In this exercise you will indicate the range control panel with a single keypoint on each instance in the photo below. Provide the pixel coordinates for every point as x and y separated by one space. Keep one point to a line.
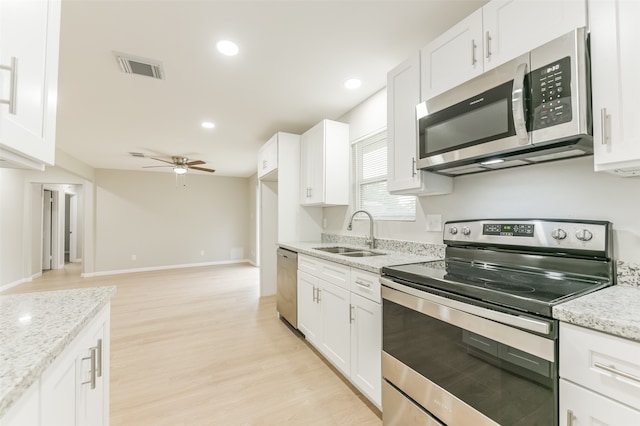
590 236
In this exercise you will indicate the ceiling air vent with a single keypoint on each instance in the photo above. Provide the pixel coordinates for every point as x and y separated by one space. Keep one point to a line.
136 154
140 66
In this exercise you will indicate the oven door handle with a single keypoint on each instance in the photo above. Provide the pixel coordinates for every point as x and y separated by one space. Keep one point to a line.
514 320
517 105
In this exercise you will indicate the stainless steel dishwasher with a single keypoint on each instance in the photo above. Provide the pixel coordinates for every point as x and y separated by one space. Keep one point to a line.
287 295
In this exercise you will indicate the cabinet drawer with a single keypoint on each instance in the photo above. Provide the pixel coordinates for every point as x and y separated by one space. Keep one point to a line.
310 265
366 284
335 273
606 364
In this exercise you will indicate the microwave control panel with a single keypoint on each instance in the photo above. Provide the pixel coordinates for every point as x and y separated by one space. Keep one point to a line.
550 94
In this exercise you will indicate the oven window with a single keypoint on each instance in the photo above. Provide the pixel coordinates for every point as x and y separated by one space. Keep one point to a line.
505 384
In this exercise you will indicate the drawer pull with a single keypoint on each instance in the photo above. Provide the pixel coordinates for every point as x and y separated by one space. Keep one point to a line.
363 284
615 371
570 418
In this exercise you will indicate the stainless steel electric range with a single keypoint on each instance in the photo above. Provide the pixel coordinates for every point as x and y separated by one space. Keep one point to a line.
470 340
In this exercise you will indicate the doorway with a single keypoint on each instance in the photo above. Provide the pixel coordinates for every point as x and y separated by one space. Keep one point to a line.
48 210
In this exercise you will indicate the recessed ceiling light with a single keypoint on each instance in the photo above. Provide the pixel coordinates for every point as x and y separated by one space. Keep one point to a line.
352 83
227 47
207 125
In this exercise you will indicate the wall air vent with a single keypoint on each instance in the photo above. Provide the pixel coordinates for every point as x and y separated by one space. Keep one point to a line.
136 154
140 66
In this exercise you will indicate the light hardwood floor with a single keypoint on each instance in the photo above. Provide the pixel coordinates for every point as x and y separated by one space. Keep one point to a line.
198 346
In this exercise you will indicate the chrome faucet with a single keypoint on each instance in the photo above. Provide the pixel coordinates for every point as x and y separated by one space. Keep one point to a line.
371 241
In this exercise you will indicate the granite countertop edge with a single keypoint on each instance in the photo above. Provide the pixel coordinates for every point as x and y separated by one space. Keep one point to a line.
371 264
11 392
613 310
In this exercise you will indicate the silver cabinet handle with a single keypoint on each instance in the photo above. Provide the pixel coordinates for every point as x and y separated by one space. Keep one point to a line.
517 104
264 164
570 418
318 295
488 44
611 369
314 295
606 130
92 357
473 52
99 350
351 316
413 166
12 85
363 284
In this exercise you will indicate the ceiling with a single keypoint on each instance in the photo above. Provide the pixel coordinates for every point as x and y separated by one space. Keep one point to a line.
294 58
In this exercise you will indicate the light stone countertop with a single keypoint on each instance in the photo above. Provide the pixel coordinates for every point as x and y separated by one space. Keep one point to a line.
35 328
372 264
613 310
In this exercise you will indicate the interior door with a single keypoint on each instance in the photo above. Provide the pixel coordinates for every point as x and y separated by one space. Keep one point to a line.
47 229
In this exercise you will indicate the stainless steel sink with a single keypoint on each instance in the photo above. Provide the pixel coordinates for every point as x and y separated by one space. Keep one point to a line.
338 250
362 254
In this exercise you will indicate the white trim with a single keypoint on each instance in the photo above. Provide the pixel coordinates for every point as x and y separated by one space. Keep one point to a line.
370 134
160 268
20 281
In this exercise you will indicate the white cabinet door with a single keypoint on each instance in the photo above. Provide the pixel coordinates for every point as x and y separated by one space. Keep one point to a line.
325 145
453 57
403 94
26 411
513 27
366 347
615 85
268 157
60 388
581 407
94 399
30 33
335 325
309 319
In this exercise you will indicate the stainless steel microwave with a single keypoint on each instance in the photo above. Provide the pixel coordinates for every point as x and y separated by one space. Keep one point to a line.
533 109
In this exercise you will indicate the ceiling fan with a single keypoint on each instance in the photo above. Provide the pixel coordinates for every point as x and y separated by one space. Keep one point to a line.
181 165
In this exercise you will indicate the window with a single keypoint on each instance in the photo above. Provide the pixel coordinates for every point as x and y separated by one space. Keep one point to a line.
370 177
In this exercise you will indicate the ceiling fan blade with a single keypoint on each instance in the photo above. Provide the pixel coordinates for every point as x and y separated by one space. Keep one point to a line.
151 167
203 169
195 162
164 161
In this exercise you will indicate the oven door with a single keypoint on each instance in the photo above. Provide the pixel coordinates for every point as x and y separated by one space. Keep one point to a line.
483 116
452 363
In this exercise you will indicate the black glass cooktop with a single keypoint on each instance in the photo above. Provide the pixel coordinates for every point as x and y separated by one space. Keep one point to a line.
531 290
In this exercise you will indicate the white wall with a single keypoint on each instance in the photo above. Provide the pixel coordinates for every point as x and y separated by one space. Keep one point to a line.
164 224
562 189
12 246
252 189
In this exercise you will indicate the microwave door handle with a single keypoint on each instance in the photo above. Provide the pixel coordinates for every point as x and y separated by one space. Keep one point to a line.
517 104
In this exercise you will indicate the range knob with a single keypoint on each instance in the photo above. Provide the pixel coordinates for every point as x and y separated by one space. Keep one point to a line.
453 230
559 234
465 230
584 235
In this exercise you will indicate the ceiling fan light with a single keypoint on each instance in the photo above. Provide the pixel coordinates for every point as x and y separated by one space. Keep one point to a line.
180 170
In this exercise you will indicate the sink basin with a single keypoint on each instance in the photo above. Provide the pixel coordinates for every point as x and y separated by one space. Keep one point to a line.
362 254
338 250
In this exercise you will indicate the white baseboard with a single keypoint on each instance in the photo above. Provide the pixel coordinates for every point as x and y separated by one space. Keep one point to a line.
160 268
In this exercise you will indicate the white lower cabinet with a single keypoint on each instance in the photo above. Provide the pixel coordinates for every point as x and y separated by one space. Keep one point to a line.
599 378
74 389
345 326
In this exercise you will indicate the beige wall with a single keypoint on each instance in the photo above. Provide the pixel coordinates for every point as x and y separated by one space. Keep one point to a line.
562 189
12 199
167 224
252 188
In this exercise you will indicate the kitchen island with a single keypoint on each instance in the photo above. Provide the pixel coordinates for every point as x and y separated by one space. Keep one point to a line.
47 331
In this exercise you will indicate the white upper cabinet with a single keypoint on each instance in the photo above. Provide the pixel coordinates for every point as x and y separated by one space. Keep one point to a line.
615 67
513 27
493 35
324 165
30 34
268 159
453 57
403 94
